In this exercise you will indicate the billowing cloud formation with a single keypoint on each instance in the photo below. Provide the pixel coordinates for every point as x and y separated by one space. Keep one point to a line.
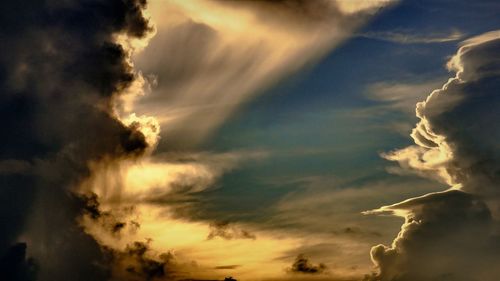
61 76
456 135
453 235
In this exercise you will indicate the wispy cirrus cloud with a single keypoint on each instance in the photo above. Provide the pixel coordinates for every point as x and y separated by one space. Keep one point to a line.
400 95
413 37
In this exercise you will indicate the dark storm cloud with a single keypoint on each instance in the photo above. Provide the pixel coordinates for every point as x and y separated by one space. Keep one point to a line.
453 235
60 74
110 222
14 265
134 264
137 261
303 265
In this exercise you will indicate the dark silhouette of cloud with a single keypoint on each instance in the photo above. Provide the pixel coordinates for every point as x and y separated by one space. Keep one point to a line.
134 264
61 74
303 265
15 266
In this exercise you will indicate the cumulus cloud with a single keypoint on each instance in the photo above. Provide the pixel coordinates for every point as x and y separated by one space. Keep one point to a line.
456 135
452 235
449 235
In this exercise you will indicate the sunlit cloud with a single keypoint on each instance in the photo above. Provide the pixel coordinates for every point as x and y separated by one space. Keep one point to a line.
210 57
195 254
115 164
206 59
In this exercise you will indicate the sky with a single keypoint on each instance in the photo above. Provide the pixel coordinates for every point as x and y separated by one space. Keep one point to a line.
271 140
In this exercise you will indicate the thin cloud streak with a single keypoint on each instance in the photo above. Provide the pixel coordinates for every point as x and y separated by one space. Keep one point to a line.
411 37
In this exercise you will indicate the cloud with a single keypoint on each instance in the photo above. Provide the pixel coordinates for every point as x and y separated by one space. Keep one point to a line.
135 260
401 96
446 236
195 255
233 266
411 37
13 166
210 57
134 264
73 123
303 265
62 74
452 235
227 231
15 266
356 231
161 179
391 98
327 214
455 136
